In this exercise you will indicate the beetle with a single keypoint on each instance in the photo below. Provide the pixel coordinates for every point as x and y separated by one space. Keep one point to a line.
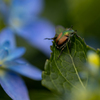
62 38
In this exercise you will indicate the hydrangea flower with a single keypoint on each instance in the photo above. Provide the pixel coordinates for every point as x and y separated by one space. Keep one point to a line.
92 92
93 58
11 65
23 18
93 61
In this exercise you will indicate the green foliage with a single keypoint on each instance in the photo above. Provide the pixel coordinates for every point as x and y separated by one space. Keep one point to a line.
84 16
42 95
67 72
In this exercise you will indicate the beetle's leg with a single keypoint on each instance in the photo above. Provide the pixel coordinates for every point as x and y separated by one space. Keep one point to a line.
62 50
76 33
70 46
51 38
60 53
48 38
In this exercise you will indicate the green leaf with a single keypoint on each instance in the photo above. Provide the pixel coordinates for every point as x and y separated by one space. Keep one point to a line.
61 75
42 95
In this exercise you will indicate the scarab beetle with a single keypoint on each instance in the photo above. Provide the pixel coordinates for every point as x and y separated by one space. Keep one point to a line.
62 37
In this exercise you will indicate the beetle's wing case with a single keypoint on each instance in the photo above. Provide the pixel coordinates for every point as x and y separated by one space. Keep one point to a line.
58 37
63 40
59 29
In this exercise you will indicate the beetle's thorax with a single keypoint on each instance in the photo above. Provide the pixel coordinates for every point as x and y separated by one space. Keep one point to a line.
65 33
62 36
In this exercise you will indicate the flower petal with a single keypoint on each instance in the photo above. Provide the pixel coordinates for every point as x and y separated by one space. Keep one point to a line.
23 11
5 45
3 9
36 32
25 69
3 53
27 7
4 50
16 54
13 86
8 35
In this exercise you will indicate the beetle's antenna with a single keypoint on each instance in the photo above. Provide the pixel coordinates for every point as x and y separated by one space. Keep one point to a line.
76 31
71 26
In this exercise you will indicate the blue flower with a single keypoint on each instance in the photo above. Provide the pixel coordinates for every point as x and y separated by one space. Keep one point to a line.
11 64
24 19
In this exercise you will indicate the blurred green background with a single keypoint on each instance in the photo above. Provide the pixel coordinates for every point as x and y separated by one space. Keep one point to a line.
84 15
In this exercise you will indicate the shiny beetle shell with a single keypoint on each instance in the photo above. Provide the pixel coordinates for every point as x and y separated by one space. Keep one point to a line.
62 37
61 40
